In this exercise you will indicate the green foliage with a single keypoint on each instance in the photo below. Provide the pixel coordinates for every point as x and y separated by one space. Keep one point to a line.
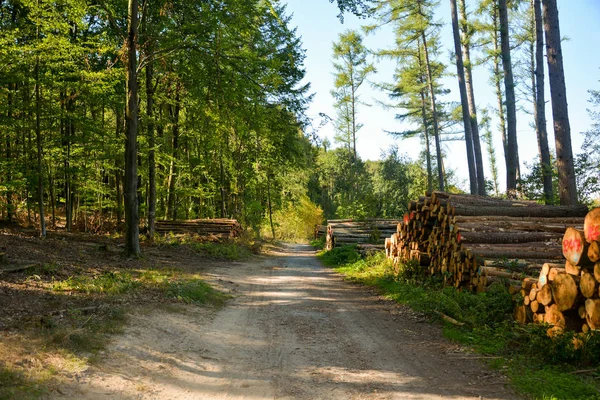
85 333
539 366
195 291
229 251
296 221
351 70
109 283
587 164
13 385
340 256
318 243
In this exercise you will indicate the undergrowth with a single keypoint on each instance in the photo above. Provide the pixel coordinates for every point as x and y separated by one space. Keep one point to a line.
64 342
228 250
540 367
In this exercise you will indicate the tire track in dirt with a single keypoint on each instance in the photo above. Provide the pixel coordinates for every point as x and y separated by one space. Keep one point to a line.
294 330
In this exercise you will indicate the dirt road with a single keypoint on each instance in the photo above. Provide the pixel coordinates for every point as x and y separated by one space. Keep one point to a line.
294 330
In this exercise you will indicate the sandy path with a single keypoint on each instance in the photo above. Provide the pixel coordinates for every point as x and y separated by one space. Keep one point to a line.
294 330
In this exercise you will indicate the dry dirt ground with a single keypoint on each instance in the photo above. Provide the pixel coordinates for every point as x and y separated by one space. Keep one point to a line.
293 330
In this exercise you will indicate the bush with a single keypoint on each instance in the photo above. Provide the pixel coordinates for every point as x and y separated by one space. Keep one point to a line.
340 256
296 221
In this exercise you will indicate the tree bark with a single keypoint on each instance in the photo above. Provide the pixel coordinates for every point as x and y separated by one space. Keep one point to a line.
9 205
423 80
436 132
171 207
539 110
473 181
567 188
270 206
511 111
38 138
132 241
466 44
151 151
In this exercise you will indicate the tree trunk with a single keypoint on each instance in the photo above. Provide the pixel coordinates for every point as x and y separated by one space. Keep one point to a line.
567 189
270 206
171 207
498 86
151 151
539 110
436 131
38 137
427 144
422 81
463 100
511 111
466 44
132 241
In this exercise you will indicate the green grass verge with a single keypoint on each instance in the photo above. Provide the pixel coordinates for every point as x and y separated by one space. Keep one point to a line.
539 367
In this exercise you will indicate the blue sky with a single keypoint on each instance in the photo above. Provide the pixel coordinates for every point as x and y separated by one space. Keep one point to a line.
319 27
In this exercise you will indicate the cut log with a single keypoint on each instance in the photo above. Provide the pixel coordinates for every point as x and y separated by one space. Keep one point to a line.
581 311
572 269
554 316
533 253
499 272
535 306
553 272
588 285
593 252
564 291
575 247
492 219
548 211
520 314
591 225
544 295
528 283
507 237
597 271
592 311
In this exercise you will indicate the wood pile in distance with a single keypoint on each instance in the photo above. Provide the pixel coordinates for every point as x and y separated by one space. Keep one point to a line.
567 295
473 241
219 228
368 234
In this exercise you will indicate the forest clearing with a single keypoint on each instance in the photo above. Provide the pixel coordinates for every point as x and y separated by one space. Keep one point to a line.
288 329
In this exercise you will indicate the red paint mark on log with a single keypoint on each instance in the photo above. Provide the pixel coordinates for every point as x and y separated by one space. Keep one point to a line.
593 233
572 245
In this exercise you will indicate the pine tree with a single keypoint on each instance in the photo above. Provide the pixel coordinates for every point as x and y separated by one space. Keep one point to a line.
351 70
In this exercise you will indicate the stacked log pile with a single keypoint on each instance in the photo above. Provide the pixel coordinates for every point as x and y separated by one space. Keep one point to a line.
368 234
472 241
567 295
209 228
320 231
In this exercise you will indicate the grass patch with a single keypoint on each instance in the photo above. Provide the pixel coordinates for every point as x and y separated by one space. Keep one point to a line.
229 251
538 366
195 291
53 346
109 282
14 385
232 250
318 243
